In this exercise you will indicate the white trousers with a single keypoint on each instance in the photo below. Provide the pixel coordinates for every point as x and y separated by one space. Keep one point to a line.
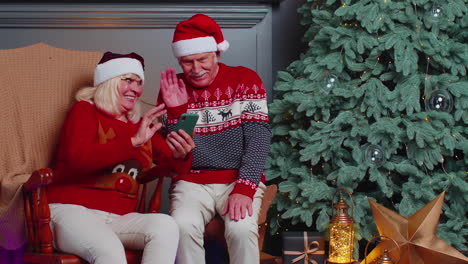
194 205
100 237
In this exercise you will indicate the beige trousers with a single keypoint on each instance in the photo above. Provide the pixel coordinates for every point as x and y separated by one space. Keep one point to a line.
194 205
99 237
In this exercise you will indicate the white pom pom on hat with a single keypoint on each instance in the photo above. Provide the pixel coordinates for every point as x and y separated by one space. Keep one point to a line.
198 34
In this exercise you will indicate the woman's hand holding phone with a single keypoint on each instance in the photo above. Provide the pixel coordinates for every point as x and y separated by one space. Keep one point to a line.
180 140
181 143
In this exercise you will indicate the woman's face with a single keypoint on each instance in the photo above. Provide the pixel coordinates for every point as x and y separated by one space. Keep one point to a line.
129 91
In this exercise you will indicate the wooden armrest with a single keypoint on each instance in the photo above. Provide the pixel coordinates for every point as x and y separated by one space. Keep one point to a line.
268 198
38 178
157 172
152 174
37 211
155 202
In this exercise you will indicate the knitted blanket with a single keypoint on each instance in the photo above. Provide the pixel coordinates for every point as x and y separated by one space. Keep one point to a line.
37 87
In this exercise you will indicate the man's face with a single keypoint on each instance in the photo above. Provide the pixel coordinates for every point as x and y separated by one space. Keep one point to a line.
200 69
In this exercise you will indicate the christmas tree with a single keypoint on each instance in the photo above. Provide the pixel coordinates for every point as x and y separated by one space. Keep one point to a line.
377 104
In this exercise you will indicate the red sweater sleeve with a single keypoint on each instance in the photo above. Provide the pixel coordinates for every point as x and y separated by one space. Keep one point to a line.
176 112
81 150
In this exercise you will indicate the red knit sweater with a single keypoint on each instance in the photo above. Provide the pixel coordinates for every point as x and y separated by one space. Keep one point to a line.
92 141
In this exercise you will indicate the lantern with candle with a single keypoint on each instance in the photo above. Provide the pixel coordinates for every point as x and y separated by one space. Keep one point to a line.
341 246
385 257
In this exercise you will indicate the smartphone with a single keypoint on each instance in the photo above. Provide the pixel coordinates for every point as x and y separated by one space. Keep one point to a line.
187 122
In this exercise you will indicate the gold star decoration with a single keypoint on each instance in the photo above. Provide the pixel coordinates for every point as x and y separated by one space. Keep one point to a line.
416 236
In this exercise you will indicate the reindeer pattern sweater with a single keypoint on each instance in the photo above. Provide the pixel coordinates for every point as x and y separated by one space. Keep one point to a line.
232 135
92 141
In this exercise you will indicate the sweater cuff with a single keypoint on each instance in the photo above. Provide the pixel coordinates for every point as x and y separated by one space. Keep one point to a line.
244 189
175 112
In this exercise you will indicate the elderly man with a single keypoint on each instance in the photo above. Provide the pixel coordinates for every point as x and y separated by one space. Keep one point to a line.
232 139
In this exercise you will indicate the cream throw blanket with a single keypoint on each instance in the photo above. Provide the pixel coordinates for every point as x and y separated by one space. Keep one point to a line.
37 88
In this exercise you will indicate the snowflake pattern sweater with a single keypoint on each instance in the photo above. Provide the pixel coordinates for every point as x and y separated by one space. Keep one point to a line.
90 142
232 135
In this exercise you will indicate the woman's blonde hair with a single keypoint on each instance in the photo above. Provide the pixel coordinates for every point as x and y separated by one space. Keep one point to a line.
106 97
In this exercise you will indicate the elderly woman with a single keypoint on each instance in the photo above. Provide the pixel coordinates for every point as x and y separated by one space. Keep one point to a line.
93 209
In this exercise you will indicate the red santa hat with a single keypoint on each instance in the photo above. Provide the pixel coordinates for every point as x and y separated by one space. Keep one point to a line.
113 64
198 34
